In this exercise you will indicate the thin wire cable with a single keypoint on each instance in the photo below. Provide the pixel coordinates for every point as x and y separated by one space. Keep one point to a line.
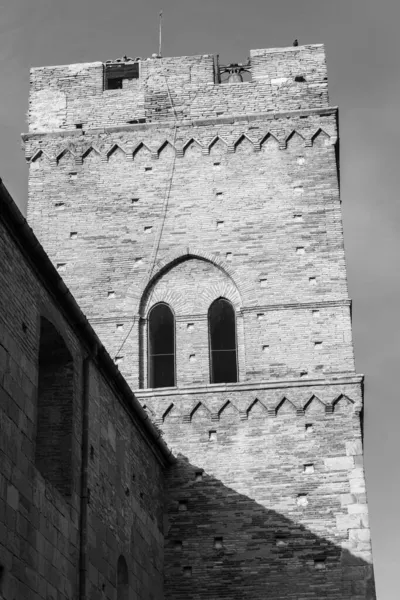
147 275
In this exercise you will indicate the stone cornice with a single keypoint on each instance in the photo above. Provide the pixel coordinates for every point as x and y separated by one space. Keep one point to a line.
281 384
184 123
244 309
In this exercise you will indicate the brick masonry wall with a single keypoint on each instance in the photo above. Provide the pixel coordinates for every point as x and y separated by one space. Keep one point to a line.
267 499
63 96
266 212
39 526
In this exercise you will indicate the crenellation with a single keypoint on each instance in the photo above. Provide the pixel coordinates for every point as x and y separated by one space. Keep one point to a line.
175 89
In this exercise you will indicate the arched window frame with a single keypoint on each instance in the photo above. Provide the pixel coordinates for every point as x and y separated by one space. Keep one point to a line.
211 362
150 379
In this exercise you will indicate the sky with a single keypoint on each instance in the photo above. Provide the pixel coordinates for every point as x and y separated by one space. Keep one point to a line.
363 53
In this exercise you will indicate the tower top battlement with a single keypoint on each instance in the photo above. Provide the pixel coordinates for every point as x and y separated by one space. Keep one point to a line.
126 91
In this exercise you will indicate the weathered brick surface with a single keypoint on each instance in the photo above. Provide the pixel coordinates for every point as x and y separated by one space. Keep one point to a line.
280 214
64 96
39 511
220 190
274 447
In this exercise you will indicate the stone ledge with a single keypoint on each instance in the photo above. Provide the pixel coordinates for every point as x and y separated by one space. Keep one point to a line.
228 119
248 386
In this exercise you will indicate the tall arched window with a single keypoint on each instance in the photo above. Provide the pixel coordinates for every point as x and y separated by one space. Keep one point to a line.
122 579
222 331
161 346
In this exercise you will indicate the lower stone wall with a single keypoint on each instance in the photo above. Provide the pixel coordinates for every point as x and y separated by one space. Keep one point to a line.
267 499
43 511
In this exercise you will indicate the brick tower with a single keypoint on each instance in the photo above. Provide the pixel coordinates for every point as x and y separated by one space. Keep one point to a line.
198 224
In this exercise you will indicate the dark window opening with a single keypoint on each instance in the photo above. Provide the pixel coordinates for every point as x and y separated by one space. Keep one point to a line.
222 332
122 579
114 84
116 73
161 347
54 409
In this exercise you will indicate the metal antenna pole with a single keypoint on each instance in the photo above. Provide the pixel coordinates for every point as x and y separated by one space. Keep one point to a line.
160 35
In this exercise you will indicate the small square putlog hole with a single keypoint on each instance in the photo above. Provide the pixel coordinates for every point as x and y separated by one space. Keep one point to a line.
198 476
218 543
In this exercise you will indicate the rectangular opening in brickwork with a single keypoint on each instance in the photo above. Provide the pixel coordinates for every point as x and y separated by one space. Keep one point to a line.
315 314
59 205
73 235
320 563
119 326
148 169
79 125
116 73
302 500
111 294
212 435
309 428
187 571
308 469
178 544
228 256
198 476
134 200
218 543
183 505
61 267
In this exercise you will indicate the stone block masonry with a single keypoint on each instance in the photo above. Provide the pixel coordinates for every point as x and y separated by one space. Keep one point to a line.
172 187
61 534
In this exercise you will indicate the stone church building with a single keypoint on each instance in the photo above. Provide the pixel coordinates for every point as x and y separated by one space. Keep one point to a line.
180 416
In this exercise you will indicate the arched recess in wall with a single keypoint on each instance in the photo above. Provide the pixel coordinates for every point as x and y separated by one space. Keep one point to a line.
53 451
189 285
222 340
122 579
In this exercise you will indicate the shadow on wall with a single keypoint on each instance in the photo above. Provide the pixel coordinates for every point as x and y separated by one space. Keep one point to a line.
222 544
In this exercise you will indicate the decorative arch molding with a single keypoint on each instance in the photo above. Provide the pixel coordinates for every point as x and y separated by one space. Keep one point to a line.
131 147
140 297
264 405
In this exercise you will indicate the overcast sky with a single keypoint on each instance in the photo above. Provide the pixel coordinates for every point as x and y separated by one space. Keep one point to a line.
363 50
